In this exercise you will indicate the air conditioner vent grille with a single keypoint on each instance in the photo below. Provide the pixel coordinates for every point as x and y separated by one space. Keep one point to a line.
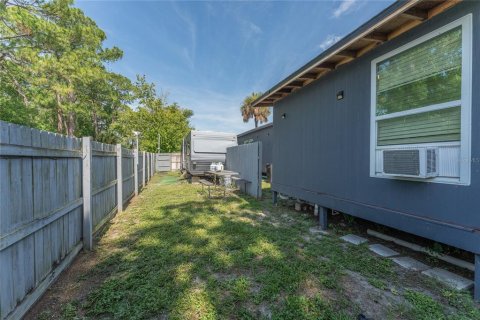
431 161
420 162
401 162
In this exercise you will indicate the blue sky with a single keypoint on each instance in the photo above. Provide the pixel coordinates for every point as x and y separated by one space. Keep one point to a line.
207 56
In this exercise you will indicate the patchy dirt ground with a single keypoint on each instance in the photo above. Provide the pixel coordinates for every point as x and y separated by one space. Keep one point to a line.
175 254
69 287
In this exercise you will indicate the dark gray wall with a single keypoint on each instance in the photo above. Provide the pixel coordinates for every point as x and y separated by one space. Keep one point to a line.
265 135
322 152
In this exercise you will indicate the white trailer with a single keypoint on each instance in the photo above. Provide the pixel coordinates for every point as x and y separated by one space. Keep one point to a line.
201 148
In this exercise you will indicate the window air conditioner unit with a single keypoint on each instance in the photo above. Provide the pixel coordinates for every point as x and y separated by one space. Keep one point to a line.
412 162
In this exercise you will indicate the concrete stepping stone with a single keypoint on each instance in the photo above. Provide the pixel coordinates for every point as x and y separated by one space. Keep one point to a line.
353 239
382 250
450 279
410 264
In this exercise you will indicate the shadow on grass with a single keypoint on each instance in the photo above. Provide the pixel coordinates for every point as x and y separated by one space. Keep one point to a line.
187 256
184 256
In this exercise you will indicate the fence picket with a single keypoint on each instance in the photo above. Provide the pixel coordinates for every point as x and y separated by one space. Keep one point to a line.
143 169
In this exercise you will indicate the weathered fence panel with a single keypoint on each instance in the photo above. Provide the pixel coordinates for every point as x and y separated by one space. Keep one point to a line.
176 161
246 159
164 162
56 191
40 212
104 183
167 162
128 175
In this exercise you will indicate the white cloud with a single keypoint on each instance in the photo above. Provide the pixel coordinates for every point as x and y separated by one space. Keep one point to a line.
188 53
329 41
249 29
254 28
344 7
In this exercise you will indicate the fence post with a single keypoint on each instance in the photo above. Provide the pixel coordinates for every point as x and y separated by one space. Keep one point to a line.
149 166
146 168
87 192
135 169
143 170
119 179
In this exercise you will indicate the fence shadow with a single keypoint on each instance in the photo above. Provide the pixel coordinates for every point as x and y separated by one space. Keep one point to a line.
183 251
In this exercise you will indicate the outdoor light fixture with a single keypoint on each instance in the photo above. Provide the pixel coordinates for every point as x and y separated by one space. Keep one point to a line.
340 95
284 115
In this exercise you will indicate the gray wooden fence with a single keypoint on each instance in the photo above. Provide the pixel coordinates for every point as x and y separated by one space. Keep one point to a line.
246 159
56 192
128 175
168 162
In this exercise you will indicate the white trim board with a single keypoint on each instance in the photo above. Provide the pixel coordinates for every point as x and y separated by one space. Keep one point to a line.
434 107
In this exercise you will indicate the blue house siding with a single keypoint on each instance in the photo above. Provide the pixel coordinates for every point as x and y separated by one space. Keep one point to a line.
322 152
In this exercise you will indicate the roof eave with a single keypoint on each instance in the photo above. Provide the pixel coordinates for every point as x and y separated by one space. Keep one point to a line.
367 31
265 126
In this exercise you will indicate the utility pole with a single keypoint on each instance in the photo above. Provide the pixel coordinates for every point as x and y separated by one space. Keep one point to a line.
159 143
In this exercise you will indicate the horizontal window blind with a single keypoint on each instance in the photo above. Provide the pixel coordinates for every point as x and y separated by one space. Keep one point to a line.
427 74
434 126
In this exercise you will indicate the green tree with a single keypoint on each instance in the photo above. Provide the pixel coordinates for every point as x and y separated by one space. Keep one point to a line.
52 68
154 118
107 98
258 114
17 27
53 76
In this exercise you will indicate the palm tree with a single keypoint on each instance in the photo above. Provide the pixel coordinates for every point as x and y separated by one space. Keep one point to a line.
258 114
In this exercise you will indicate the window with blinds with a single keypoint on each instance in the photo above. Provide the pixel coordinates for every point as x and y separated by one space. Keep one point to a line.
422 97
434 126
423 76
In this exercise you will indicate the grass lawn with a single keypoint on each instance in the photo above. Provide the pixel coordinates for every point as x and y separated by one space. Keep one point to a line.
175 254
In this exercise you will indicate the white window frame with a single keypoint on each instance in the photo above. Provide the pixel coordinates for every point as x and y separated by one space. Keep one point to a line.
465 104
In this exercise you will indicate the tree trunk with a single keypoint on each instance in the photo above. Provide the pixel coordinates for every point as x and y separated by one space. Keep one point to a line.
71 124
59 120
60 123
95 124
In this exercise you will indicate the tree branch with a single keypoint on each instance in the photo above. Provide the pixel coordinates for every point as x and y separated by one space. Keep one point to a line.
15 37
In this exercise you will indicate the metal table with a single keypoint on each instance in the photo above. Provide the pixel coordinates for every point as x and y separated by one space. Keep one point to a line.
225 174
